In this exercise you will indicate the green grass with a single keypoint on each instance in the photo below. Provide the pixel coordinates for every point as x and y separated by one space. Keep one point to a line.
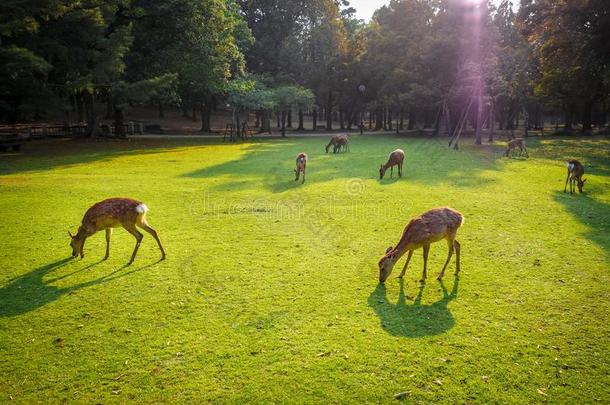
269 292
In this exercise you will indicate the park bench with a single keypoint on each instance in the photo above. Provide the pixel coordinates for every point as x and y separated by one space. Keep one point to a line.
13 141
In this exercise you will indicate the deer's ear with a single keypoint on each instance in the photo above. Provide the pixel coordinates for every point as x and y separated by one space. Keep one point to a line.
388 250
583 181
70 233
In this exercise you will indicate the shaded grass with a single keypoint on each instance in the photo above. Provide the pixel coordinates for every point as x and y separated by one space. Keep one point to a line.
269 291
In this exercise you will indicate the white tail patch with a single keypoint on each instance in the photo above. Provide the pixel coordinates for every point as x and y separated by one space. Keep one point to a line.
141 209
463 220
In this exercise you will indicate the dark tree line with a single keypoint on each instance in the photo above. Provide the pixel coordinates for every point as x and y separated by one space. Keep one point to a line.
438 64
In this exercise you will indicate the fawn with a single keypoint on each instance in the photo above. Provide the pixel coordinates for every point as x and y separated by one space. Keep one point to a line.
575 173
514 144
429 227
338 142
301 165
112 213
396 158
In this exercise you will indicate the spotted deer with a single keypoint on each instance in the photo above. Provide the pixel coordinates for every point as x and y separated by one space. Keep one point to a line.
338 142
301 166
575 172
431 226
514 144
112 213
396 158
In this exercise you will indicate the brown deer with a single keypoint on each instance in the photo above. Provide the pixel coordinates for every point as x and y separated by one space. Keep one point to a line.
421 232
301 166
575 173
112 213
338 142
396 158
514 144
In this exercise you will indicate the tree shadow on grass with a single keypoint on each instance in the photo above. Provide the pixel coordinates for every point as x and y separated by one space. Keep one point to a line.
30 291
592 213
56 153
413 320
271 164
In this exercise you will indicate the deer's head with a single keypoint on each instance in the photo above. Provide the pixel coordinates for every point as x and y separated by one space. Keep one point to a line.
76 243
386 264
381 172
580 183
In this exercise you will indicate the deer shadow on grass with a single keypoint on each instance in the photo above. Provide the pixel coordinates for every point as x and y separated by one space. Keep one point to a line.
31 291
414 320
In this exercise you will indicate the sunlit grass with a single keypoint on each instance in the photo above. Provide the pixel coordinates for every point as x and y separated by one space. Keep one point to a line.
269 291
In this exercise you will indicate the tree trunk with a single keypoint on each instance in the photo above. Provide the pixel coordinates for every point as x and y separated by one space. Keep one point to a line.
205 117
401 125
277 117
370 120
477 119
92 127
315 118
411 118
194 116
161 113
185 110
341 119
265 121
118 122
587 112
289 125
492 120
329 112
569 114
109 109
390 118
284 114
80 107
379 119
301 127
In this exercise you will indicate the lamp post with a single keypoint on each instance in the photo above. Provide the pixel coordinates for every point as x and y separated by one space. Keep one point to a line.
361 90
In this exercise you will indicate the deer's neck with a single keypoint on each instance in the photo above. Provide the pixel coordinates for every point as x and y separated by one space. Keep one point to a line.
402 247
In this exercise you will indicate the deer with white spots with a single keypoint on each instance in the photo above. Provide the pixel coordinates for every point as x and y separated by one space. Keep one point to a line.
575 172
301 166
113 213
396 158
423 230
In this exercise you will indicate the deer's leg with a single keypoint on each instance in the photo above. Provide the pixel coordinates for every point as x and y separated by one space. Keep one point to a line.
82 247
144 225
296 172
404 269
567 179
456 246
400 170
425 274
108 233
391 171
303 177
132 230
442 274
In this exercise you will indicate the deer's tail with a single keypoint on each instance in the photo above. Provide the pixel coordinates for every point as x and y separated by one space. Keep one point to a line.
142 209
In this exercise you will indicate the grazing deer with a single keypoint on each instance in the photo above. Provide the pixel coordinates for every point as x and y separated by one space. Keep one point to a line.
429 227
338 142
396 158
514 144
575 173
112 213
301 166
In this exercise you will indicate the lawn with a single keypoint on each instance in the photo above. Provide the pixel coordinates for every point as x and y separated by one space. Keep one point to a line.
270 288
